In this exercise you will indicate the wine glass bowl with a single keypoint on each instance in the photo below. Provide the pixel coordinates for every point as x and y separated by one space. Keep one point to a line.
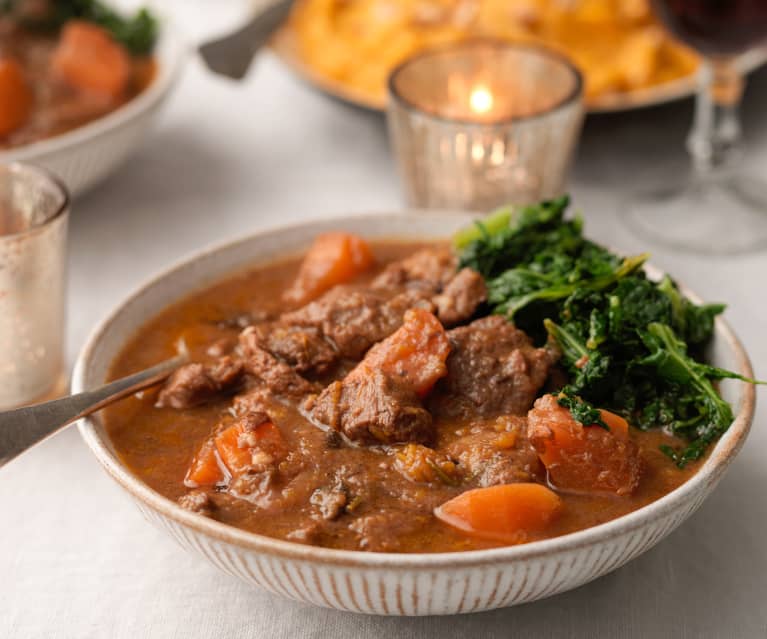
719 207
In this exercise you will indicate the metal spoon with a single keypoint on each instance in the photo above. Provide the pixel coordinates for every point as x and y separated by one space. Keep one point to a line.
22 428
231 55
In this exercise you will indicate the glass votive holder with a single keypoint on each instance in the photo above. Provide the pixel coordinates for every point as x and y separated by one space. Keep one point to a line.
34 210
484 123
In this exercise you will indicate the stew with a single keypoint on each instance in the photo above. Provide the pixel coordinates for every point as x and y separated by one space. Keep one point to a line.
57 77
361 397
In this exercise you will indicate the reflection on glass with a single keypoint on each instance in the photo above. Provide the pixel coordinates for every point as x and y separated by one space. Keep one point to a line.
33 228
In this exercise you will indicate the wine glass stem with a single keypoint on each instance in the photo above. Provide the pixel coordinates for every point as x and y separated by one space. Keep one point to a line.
714 142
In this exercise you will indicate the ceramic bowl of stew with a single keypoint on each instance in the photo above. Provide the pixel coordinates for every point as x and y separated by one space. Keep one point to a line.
85 154
425 579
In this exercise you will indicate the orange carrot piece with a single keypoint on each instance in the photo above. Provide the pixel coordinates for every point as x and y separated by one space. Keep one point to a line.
16 96
88 59
415 353
204 469
618 426
509 513
334 258
583 458
237 445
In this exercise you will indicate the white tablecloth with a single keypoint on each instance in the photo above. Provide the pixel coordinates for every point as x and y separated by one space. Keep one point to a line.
76 558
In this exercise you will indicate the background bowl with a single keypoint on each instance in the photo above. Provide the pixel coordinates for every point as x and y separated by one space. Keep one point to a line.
388 583
86 155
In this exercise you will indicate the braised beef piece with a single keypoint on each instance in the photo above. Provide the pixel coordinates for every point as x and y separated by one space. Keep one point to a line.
432 272
256 400
197 501
256 487
304 348
353 318
429 269
460 298
372 408
497 453
277 376
196 383
493 369
330 500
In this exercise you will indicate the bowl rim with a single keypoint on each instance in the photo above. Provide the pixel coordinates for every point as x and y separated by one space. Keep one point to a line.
170 53
706 476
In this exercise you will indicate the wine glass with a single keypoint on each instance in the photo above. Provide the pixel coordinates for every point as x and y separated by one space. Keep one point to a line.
720 207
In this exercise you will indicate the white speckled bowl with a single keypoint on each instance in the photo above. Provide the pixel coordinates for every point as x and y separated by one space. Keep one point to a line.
88 154
379 583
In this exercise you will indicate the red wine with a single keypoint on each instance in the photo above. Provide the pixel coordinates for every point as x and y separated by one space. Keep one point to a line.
715 27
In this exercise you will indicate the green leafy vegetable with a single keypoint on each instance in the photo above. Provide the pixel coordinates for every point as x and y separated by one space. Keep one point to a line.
581 411
630 345
138 33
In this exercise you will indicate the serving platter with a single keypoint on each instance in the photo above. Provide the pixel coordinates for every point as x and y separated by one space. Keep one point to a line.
285 46
389 583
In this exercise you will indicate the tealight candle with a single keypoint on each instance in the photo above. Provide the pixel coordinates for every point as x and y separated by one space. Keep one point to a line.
481 124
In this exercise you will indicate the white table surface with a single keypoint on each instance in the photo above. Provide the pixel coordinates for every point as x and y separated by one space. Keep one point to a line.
76 558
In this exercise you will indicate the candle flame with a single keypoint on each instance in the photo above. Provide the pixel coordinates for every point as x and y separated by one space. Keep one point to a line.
481 100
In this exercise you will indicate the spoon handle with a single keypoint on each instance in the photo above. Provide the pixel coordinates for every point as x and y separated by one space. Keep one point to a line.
231 55
22 428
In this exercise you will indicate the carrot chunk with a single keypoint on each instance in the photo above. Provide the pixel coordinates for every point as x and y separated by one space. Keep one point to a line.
16 96
583 459
88 59
204 469
244 446
334 258
618 426
509 513
415 353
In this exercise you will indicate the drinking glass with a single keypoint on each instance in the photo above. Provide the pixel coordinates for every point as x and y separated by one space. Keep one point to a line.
34 209
720 207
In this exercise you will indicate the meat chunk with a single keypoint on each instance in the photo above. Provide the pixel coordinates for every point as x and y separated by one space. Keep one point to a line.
497 453
373 408
583 459
257 488
461 297
196 383
493 369
330 501
277 376
432 272
303 348
197 501
429 269
354 319
255 400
